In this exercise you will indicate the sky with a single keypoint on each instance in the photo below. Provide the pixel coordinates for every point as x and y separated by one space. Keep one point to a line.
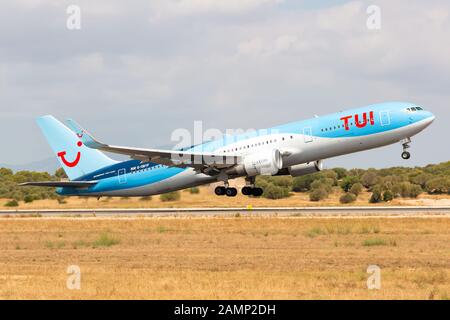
136 71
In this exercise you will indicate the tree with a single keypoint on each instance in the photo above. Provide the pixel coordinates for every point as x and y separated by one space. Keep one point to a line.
326 184
415 191
303 183
422 179
341 173
439 185
331 175
348 182
61 174
356 189
5 172
369 179
376 195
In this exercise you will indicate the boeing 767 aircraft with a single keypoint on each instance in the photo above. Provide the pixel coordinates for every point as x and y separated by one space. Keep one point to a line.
295 149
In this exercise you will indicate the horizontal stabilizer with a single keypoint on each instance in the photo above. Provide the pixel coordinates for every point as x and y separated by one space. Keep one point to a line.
61 184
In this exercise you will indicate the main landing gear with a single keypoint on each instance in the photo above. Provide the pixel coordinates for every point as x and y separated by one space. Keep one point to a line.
232 192
252 191
405 154
248 190
222 191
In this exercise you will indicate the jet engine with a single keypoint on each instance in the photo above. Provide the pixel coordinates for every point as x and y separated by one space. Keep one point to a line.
305 168
267 162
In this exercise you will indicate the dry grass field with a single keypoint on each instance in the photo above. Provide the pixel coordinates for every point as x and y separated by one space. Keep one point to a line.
220 258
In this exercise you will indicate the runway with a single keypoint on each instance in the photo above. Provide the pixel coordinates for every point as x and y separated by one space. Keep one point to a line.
249 211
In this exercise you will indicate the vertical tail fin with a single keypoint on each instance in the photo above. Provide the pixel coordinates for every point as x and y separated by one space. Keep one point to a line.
76 159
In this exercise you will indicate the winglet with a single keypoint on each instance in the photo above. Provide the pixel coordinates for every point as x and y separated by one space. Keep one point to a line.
87 139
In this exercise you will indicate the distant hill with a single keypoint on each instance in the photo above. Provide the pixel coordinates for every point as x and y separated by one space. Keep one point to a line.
49 165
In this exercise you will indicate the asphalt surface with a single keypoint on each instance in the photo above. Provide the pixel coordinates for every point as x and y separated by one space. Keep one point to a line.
294 211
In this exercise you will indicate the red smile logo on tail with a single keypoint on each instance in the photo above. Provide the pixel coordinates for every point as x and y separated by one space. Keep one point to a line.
74 163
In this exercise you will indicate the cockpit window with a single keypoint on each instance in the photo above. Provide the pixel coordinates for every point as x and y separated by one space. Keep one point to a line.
414 109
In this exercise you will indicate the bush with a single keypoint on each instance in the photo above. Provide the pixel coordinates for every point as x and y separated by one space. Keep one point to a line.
422 179
12 203
369 179
318 194
171 196
28 198
348 182
326 184
388 196
330 175
303 183
356 189
415 191
282 181
340 172
272 191
376 197
348 198
146 198
408 190
194 190
60 173
439 185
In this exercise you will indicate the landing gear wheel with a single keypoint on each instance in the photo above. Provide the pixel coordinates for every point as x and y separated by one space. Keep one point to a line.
257 192
231 192
406 155
247 191
220 191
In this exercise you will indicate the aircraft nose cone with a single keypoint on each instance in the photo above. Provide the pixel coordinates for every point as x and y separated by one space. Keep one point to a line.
429 118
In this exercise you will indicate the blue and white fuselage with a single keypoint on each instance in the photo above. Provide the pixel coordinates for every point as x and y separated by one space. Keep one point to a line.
300 147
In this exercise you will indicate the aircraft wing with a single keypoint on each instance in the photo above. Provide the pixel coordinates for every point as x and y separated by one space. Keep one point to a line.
205 162
57 184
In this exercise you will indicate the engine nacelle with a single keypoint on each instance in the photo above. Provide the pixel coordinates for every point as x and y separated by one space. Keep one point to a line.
305 168
265 163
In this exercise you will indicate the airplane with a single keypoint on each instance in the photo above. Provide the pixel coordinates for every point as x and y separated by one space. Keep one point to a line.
295 149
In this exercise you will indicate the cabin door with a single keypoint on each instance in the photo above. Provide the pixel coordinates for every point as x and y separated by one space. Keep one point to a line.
385 118
122 176
307 133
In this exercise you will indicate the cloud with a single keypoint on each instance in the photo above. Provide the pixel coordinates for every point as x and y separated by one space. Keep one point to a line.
165 9
232 64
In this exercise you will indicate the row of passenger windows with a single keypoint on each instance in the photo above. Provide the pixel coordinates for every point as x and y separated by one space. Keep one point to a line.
148 169
254 145
335 127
